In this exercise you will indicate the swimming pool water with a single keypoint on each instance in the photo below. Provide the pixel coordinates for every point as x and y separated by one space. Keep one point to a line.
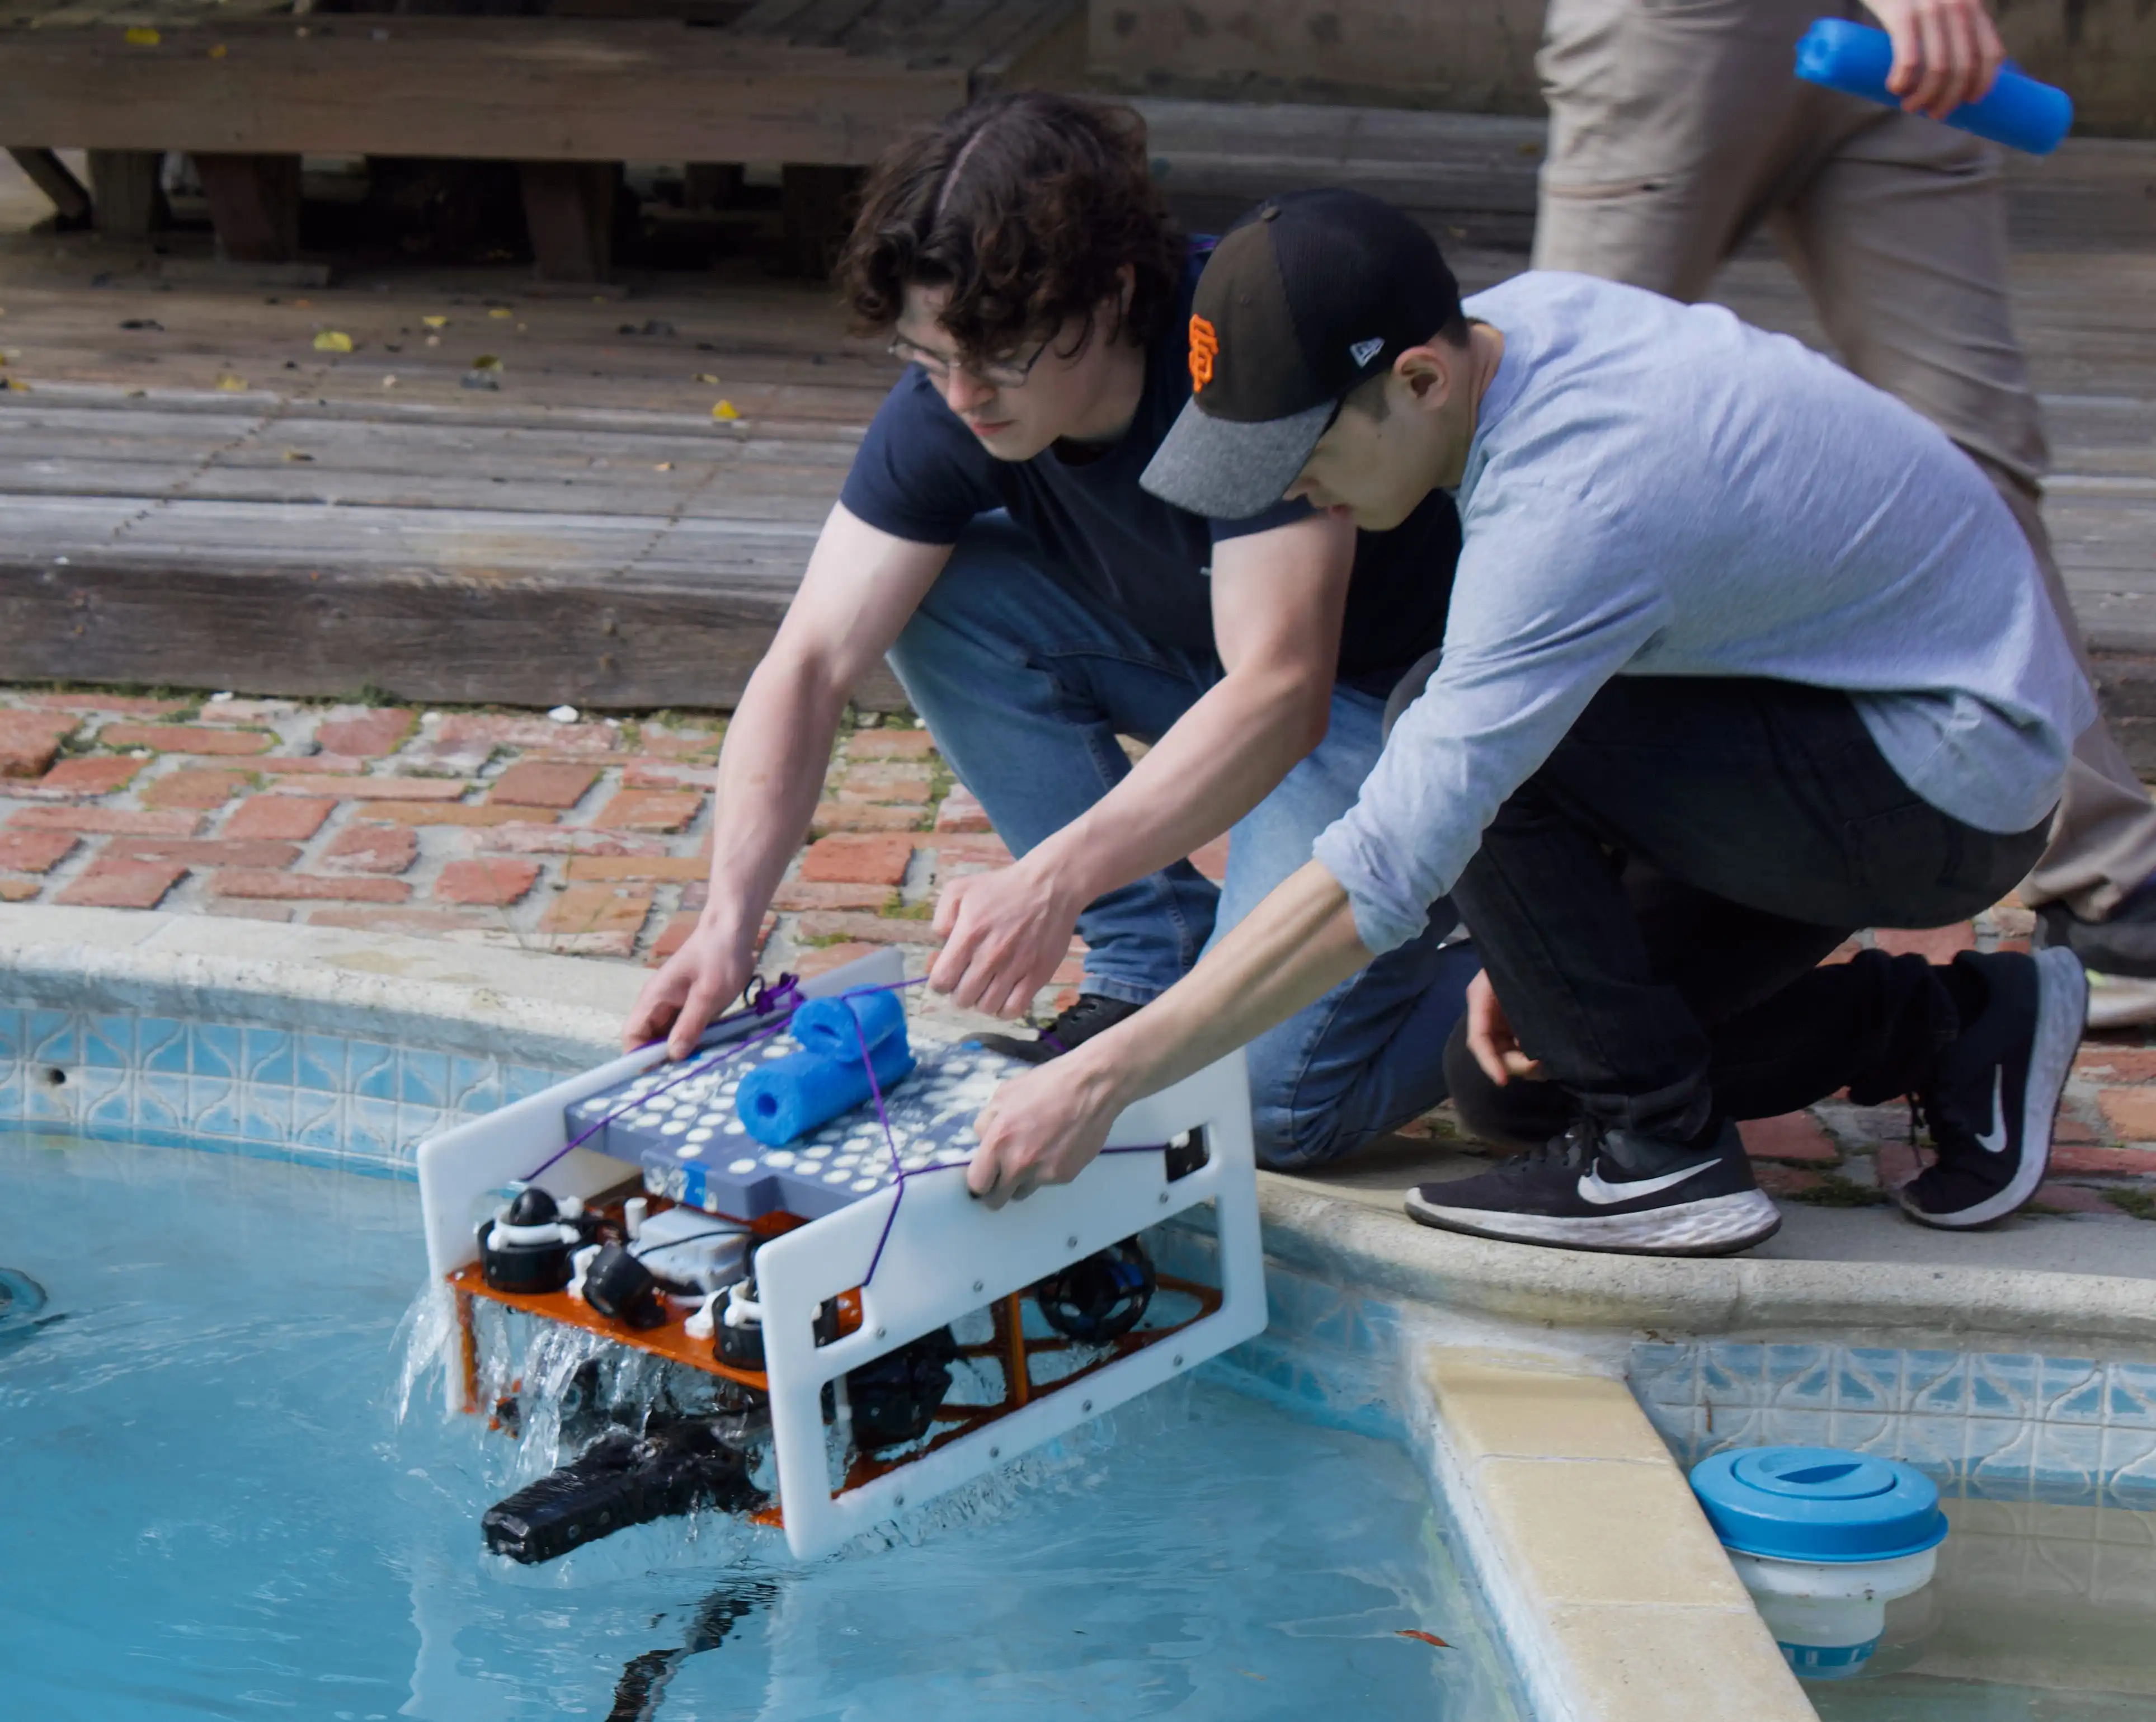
212 1509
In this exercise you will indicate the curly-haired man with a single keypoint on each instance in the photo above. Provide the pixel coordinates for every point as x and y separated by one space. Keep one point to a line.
992 539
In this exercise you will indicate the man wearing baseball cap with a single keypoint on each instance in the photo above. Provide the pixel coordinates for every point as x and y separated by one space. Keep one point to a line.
1743 655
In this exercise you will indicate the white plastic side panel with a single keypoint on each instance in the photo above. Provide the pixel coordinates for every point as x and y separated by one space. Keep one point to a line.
946 1255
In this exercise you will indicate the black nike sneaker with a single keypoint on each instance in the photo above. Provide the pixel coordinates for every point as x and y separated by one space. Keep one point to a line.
1575 1192
1995 1088
1093 1013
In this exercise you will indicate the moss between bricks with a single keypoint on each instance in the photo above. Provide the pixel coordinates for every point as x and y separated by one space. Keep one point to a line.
2140 1203
1833 1191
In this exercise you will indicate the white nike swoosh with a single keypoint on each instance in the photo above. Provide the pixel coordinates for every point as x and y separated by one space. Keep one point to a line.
1993 1141
1592 1189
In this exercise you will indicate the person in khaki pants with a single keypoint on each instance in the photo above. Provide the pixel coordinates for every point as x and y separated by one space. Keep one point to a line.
1676 129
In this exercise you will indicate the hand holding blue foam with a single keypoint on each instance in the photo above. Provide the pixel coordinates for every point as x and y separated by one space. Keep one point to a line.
2018 112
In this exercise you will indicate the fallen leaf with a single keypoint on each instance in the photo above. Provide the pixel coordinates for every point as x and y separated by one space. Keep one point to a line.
143 36
486 362
499 312
435 322
389 383
726 409
218 52
18 385
332 341
151 323
230 384
295 455
663 466
705 377
1426 1638
433 340
304 304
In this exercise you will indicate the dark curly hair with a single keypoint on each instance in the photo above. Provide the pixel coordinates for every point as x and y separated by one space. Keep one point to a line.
1025 206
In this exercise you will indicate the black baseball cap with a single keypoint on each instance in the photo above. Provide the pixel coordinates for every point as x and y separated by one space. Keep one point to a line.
1305 297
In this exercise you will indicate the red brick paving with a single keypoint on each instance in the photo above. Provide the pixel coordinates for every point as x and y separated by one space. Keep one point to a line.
369 736
90 776
35 851
534 783
1793 1136
109 884
106 821
306 887
293 818
29 741
186 738
583 838
372 849
858 860
649 810
202 789
497 879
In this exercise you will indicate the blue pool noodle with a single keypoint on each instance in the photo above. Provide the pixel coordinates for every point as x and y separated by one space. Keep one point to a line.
2018 111
782 1100
836 1027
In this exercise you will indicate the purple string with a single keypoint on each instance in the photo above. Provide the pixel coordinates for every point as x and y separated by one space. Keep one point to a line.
784 997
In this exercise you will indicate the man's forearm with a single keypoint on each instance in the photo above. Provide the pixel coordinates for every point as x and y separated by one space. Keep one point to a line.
1223 757
1295 947
770 777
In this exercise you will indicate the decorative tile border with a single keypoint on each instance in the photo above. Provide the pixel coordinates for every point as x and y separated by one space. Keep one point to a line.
359 1104
1988 1426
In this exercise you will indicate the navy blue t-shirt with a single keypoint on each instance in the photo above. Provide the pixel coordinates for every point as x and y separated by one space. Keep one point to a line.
920 474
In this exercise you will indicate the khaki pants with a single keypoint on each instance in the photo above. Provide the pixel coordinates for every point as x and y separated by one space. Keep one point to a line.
1678 127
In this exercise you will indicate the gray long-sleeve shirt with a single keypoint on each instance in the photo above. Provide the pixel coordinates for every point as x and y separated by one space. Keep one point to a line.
1660 490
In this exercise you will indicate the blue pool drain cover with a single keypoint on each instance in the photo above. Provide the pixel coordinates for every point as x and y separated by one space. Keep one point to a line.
1818 1503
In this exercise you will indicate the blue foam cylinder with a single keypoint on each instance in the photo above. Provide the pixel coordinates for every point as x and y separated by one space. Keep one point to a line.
828 1025
2018 111
782 1100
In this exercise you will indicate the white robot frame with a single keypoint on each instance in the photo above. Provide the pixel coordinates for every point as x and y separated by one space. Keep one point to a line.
943 1255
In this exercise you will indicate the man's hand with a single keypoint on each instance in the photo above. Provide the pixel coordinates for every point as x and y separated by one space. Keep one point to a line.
1946 51
1043 1128
1491 1039
697 981
1003 934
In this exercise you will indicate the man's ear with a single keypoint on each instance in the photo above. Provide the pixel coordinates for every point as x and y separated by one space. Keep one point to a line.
1429 373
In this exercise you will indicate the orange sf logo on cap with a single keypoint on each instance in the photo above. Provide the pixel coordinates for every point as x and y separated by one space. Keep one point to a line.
1204 348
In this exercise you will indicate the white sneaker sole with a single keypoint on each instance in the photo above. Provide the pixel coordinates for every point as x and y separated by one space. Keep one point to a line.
2062 1009
1718 1225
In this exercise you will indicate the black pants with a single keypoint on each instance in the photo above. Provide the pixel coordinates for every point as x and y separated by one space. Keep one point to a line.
1652 903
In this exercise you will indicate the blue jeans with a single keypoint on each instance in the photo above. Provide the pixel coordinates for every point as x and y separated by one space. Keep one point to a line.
1025 685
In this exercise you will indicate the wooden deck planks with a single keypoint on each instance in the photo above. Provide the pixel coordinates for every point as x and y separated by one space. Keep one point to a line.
588 531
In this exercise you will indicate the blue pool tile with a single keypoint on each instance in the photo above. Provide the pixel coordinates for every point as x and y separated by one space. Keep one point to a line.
108 1043
14 1037
1801 1377
44 1104
160 1102
1942 1391
474 1086
371 1127
268 1057
213 1106
55 1037
2067 1462
11 1093
161 1044
2130 1394
1733 1374
322 1063
416 1124
374 1070
318 1119
213 1050
265 1112
423 1077
2003 1385
2069 1381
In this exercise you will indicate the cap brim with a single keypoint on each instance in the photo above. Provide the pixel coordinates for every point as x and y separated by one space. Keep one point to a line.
1226 470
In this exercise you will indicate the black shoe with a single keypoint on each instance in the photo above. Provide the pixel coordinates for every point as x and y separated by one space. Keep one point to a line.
1092 1014
1576 1193
2118 952
1995 1088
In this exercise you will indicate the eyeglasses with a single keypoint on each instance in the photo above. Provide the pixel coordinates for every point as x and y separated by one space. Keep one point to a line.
995 374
